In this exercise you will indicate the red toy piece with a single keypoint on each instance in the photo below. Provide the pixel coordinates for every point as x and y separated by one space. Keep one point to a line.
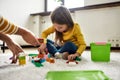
41 40
40 55
73 61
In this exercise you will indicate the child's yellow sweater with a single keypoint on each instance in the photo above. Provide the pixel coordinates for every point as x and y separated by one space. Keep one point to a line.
7 27
73 35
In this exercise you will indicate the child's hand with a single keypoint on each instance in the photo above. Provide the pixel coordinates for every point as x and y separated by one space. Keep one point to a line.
73 56
42 48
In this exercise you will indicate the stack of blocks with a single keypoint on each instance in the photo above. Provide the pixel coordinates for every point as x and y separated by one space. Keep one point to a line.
22 58
100 51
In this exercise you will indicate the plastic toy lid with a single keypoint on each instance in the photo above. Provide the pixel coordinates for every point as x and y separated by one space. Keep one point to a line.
76 75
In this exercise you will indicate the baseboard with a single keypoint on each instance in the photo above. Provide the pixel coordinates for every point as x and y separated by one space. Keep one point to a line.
30 46
112 48
23 46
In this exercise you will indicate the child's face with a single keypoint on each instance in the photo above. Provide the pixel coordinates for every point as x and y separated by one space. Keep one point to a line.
60 27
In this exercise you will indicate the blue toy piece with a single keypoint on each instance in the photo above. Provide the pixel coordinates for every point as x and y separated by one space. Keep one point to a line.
49 55
42 60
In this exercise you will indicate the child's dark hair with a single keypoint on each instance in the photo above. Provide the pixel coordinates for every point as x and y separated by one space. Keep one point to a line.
61 15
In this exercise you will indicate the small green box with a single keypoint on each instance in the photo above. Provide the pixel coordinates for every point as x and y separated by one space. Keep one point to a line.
100 51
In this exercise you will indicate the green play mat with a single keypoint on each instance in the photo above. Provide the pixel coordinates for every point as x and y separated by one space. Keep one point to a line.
76 75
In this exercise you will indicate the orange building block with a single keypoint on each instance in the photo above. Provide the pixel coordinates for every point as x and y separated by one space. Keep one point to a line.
50 60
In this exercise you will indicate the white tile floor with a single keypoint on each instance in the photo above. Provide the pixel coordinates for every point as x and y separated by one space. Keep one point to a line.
30 72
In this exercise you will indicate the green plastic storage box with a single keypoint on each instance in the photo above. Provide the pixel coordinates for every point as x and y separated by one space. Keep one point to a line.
77 75
100 51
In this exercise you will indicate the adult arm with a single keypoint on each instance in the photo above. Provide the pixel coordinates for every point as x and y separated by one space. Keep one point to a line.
28 36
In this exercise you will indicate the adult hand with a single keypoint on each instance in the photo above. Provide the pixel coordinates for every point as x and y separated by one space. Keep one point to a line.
16 49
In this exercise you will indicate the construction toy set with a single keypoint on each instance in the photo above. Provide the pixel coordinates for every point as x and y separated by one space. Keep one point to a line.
100 51
38 59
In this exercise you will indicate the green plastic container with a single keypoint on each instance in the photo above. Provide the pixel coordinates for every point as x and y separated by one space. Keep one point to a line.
76 75
100 52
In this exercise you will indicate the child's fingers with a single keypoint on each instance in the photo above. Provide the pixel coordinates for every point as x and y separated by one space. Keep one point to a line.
71 57
39 49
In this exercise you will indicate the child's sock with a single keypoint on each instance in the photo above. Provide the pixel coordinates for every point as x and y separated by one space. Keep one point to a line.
58 55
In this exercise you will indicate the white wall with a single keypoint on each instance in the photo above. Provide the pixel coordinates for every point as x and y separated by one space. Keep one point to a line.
18 12
99 24
105 23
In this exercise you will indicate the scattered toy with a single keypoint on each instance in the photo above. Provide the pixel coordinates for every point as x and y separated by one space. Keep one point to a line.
22 58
